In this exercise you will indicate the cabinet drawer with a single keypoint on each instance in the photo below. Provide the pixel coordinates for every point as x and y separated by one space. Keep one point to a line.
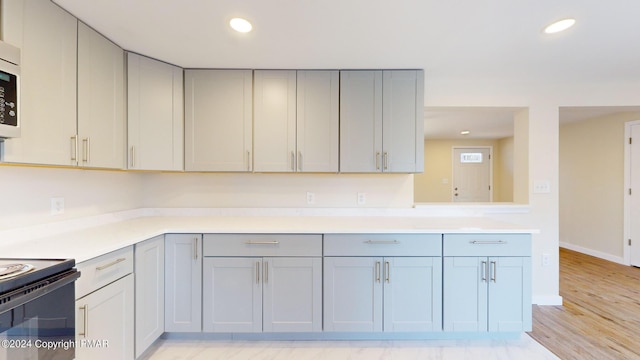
103 270
487 245
262 245
383 245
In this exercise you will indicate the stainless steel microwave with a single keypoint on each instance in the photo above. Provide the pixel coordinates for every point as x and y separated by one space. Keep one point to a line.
9 91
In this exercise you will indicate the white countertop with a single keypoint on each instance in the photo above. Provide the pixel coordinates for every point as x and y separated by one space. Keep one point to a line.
83 242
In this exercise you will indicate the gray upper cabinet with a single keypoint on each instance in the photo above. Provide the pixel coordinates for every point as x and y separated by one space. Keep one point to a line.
381 121
296 121
275 121
403 121
360 121
218 120
317 121
101 101
72 93
47 38
155 114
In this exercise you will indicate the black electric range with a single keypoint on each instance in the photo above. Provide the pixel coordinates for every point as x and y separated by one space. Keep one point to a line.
37 298
16 273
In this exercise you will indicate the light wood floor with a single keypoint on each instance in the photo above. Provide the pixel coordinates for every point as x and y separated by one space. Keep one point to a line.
600 316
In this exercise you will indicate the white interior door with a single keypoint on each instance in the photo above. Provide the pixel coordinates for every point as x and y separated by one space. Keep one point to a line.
471 174
634 201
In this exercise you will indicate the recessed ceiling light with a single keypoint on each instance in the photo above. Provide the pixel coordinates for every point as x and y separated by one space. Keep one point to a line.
240 25
465 132
559 25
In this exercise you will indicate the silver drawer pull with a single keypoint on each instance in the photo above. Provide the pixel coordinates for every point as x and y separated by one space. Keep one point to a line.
382 242
85 309
488 242
110 264
262 242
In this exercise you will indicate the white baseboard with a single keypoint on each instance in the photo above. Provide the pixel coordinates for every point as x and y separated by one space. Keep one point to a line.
547 300
598 254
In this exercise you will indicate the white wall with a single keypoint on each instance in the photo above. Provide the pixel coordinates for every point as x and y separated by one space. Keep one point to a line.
592 185
276 190
26 192
506 156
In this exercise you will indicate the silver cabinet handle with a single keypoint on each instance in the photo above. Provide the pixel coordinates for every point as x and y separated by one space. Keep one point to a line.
387 272
265 275
382 242
133 157
494 270
377 160
195 248
85 321
378 271
484 271
86 152
257 272
488 242
74 148
248 160
102 267
293 161
262 242
385 161
299 161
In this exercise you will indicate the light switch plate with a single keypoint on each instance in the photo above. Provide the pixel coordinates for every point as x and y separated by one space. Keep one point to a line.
541 187
57 205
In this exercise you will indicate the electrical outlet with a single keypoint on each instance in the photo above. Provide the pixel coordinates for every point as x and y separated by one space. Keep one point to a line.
57 206
541 187
546 259
311 198
362 198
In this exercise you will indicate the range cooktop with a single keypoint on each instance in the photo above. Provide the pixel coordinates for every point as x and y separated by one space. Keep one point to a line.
15 273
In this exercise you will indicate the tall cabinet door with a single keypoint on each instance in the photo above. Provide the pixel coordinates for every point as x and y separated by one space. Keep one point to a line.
218 120
101 112
274 123
183 283
106 315
509 294
352 294
47 38
412 294
360 121
149 290
292 293
317 120
232 299
465 294
155 114
403 121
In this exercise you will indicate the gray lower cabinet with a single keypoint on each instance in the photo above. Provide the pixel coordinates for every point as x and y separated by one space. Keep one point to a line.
149 292
280 291
183 283
487 282
105 306
401 292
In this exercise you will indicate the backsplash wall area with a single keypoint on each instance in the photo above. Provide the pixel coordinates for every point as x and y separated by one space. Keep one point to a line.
27 191
229 190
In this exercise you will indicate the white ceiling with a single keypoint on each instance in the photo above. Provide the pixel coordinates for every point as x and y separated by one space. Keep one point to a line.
446 38
483 123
